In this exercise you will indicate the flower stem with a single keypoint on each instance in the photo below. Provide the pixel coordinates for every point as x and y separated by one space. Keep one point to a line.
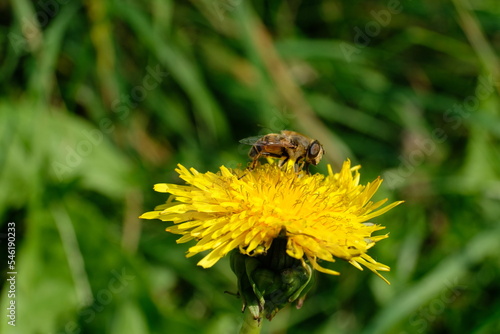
250 325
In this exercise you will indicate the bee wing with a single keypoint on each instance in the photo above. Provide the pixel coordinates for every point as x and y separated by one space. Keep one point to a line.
250 140
257 141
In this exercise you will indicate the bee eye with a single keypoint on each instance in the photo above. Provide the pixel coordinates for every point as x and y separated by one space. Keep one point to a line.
314 149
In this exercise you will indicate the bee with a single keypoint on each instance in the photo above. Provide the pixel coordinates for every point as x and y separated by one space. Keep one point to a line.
287 145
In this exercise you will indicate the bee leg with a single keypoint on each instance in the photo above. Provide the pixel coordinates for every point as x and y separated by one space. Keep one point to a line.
300 166
306 168
253 163
281 163
255 154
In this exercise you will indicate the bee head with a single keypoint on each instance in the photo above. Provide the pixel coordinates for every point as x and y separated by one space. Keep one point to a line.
314 153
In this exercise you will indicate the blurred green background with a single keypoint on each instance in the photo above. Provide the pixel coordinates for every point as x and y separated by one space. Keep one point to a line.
100 99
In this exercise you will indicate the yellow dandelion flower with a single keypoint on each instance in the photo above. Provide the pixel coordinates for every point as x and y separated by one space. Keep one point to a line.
322 217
